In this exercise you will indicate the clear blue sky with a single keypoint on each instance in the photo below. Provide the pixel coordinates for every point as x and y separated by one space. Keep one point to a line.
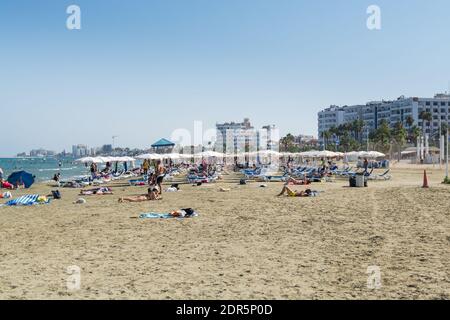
139 69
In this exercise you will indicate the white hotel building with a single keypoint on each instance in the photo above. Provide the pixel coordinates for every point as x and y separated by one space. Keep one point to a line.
234 137
398 110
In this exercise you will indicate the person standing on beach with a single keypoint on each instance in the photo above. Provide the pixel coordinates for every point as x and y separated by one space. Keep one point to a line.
160 172
366 165
145 166
1 177
93 169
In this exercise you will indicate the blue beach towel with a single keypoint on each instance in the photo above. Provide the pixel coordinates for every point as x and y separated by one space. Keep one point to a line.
26 200
154 215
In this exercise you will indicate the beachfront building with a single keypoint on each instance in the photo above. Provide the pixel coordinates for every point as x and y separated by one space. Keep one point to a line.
268 138
80 150
400 110
41 153
332 116
235 137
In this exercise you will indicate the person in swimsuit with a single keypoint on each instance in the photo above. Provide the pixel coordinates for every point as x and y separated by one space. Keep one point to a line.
152 194
291 180
160 172
295 193
96 191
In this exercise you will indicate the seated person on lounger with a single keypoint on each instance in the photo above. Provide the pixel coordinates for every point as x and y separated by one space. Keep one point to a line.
295 193
152 194
96 191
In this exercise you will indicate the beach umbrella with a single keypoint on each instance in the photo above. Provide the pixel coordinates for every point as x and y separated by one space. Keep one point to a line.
209 153
308 154
105 159
372 154
21 177
352 154
172 156
263 153
85 160
150 156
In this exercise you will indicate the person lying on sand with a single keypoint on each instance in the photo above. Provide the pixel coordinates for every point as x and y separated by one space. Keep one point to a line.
183 213
96 191
295 193
152 194
293 181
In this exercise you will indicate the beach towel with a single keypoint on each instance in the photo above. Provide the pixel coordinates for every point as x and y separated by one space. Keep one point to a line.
154 215
27 200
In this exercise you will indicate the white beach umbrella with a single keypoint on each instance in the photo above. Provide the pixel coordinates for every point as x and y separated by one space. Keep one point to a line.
149 156
308 154
325 154
375 154
88 160
186 155
105 159
209 153
268 153
172 156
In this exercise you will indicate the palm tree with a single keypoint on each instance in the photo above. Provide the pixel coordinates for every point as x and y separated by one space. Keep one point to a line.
326 137
399 134
414 133
287 141
409 121
382 135
357 127
425 116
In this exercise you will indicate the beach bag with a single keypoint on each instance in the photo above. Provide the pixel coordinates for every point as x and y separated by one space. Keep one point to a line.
56 194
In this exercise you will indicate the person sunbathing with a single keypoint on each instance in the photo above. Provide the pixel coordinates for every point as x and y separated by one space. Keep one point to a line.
295 193
183 213
7 185
293 181
96 191
152 194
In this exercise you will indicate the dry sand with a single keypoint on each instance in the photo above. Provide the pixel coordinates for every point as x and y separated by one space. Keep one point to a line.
246 243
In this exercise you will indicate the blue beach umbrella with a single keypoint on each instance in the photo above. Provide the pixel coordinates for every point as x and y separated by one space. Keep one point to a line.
21 177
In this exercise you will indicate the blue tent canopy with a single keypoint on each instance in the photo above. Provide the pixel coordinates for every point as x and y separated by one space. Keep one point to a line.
21 177
163 143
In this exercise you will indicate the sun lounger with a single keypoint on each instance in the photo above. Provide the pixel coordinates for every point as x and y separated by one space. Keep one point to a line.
27 200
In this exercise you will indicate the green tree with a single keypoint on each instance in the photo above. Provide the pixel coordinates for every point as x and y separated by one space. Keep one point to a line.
399 135
382 136
326 137
287 141
425 116
409 121
414 133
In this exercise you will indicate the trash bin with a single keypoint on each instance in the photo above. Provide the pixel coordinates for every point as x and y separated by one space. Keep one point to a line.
359 181
352 181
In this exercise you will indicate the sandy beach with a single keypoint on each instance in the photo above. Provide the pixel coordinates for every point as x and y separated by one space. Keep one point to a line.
245 244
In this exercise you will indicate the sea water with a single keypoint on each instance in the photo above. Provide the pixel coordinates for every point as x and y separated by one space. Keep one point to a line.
43 168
